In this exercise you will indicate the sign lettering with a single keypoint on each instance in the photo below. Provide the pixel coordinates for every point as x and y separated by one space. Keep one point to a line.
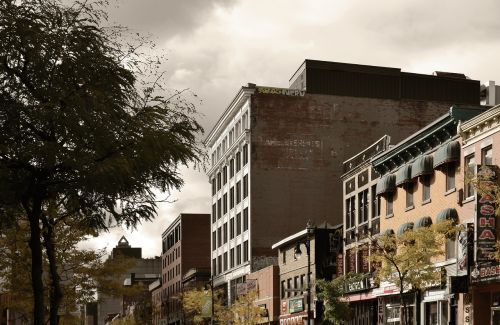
486 219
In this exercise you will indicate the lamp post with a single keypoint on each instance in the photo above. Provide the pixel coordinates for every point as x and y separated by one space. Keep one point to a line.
297 254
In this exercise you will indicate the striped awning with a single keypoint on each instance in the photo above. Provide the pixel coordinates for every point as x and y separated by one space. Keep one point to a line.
447 153
405 227
423 222
386 184
422 166
448 214
403 175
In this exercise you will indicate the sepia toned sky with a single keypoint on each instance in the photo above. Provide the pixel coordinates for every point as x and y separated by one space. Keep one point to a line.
214 47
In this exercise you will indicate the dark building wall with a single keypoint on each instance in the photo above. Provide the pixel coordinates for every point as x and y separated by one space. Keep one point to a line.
298 145
195 247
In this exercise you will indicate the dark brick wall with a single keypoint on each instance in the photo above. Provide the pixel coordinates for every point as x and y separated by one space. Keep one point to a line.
195 250
297 149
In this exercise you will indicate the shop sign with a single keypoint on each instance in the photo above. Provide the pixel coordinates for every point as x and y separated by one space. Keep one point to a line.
281 91
464 248
340 264
284 307
485 273
486 219
381 311
467 309
295 305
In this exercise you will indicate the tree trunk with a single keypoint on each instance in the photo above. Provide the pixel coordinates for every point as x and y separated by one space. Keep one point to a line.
55 288
36 262
402 317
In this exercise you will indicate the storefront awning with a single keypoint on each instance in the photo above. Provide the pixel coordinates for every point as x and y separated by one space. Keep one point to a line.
423 222
403 175
405 227
448 214
386 184
422 166
447 153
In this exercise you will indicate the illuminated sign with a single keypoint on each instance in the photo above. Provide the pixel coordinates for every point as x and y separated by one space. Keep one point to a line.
295 305
486 218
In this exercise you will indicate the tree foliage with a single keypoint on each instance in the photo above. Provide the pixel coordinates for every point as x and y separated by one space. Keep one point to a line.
197 305
333 294
244 310
81 134
407 260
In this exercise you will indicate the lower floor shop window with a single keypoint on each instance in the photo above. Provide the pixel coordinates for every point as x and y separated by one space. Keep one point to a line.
436 312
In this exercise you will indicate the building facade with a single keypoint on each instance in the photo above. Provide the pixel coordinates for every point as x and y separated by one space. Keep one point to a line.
360 225
481 147
185 246
266 282
277 153
422 183
314 249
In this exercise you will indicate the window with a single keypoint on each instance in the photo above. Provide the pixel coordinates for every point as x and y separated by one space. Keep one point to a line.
224 201
296 285
375 202
426 187
245 186
219 264
214 212
238 224
231 197
283 289
245 154
289 286
283 257
225 232
470 171
238 161
214 266
224 174
231 228
487 156
245 219
238 255
450 177
238 192
214 240
219 237
245 251
219 183
219 208
363 206
231 258
225 261
409 187
214 186
231 168
450 248
388 201
350 212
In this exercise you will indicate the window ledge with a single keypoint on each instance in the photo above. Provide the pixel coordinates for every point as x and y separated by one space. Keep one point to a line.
411 207
426 202
453 190
468 199
389 216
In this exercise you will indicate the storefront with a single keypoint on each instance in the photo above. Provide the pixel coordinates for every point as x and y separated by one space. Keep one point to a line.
389 305
434 308
486 295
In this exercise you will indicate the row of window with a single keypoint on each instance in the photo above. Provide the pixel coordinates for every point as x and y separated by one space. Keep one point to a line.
366 199
237 256
220 236
220 208
173 272
171 238
222 177
289 289
234 133
171 257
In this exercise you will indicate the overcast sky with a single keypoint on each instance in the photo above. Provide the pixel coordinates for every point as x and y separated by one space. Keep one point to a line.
215 47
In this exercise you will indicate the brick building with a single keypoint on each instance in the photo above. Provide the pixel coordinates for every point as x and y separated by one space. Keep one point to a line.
422 183
266 282
185 246
481 146
277 153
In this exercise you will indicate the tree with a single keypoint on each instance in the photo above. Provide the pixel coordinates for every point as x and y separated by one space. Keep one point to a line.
407 260
81 271
333 293
79 134
244 311
197 305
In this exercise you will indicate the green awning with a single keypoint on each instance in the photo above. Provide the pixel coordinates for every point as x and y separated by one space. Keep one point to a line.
447 153
386 184
423 222
387 232
403 175
422 166
448 214
405 227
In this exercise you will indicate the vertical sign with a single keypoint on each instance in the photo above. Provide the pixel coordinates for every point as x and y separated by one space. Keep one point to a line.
467 309
340 264
486 219
380 313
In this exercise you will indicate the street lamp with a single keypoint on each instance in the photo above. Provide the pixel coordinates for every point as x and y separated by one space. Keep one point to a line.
297 254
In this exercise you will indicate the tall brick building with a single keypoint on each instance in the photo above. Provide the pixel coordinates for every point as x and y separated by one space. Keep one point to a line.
185 246
277 153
